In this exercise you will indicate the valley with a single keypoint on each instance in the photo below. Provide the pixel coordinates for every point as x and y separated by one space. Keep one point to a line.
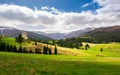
68 61
59 37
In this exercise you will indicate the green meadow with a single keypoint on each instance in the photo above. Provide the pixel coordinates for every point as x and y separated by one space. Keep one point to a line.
68 61
13 42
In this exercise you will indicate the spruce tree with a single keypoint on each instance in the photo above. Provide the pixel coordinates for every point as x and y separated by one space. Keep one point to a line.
20 49
50 52
37 50
14 49
0 46
11 48
8 48
4 46
45 49
19 39
24 50
87 46
55 50
30 51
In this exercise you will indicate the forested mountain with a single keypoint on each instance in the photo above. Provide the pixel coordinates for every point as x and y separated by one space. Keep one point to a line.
99 35
78 33
105 34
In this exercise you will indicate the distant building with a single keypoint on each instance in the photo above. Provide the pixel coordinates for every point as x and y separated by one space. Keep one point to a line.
24 35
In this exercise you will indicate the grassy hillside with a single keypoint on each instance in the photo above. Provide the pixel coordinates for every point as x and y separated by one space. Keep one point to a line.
68 61
11 41
35 64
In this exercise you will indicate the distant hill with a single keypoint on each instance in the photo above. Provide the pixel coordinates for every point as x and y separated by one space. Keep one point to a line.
105 34
57 35
99 35
72 34
78 33
12 32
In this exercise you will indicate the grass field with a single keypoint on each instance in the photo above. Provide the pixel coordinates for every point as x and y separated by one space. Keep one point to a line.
12 42
36 64
68 62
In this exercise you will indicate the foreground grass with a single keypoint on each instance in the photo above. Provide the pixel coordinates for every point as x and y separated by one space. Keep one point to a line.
38 64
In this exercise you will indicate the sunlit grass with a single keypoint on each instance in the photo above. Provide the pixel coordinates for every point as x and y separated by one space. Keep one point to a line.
39 64
12 41
68 61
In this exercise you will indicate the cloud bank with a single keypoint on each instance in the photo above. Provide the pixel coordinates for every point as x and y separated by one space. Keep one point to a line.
52 20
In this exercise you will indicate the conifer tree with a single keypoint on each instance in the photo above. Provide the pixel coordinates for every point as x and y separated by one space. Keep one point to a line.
30 51
11 48
87 46
8 48
37 50
45 49
24 50
55 50
14 48
20 49
50 52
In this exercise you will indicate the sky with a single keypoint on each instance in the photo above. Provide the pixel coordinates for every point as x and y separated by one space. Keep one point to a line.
61 16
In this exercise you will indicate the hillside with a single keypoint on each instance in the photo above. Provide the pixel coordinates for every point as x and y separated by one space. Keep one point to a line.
78 33
105 34
84 62
72 34
12 32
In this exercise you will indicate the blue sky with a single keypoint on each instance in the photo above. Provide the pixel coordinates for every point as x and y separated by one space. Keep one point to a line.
63 5
60 16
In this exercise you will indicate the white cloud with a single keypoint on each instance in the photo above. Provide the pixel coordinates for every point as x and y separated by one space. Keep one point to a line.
85 5
52 20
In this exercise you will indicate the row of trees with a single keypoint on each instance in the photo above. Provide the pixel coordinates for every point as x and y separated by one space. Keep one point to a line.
10 48
47 50
70 42
74 42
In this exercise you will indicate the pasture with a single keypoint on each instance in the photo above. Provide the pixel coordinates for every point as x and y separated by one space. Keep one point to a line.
67 62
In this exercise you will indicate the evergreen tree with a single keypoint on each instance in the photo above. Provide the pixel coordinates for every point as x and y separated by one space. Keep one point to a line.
20 49
0 46
8 48
11 48
55 50
87 46
3 46
101 49
25 50
14 49
50 52
19 39
38 50
30 51
45 49
35 43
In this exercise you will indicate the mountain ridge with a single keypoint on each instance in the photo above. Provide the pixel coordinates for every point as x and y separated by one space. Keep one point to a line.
13 32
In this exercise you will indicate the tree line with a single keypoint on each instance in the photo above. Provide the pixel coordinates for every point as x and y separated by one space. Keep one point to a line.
13 48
